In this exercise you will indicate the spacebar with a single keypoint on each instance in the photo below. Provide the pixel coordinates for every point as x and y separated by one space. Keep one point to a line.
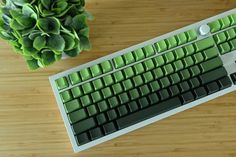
148 112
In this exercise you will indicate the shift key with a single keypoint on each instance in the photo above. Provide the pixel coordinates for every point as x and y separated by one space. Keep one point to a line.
204 44
84 125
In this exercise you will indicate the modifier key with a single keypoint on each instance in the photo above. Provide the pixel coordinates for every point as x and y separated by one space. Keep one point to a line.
224 83
213 75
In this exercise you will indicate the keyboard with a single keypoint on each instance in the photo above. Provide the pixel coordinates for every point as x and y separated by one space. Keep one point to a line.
140 85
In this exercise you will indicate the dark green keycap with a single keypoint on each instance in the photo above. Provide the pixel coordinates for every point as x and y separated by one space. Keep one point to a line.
188 61
62 83
158 61
165 82
85 74
128 72
195 70
154 86
224 48
225 22
134 94
230 34
171 42
185 74
144 90
220 38
149 50
76 92
118 62
158 73
211 64
72 105
85 100
118 76
106 66
232 19
174 78
178 65
189 50
128 58
96 70
211 53
102 106
124 98
138 68
117 88
215 26
179 53
96 96
108 80
198 58
168 69
181 38
74 78
92 110
191 35
138 54
66 96
148 77
137 81
148 65
97 84
113 102
87 88
101 119
106 92
204 44
161 46
127 84
233 44
77 116
169 57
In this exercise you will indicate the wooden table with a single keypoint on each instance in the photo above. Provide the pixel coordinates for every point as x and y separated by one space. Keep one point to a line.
30 123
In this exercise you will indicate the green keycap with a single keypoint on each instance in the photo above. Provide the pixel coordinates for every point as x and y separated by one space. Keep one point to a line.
204 44
128 58
138 68
113 101
161 46
62 83
66 96
137 81
158 73
85 74
158 61
185 74
102 106
76 92
96 96
118 62
178 65
225 22
232 19
155 86
108 80
233 44
106 66
72 105
211 53
211 64
188 61
148 65
171 42
195 70
74 78
148 77
198 58
134 94
96 70
168 69
77 116
127 84
224 48
149 50
220 38
138 54
128 72
92 110
189 50
118 76
181 38
191 35
174 78
85 100
169 57
123 98
97 84
87 88
117 88
106 92
144 90
165 82
215 26
179 53
230 34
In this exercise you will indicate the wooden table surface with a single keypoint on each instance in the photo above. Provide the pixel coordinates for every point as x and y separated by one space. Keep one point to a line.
30 123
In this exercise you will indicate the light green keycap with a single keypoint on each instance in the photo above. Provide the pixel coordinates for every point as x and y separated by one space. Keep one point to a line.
191 34
198 58
233 44
72 105
181 38
148 77
96 70
118 76
174 78
77 116
134 94
97 84
106 92
232 19
124 98
171 42
128 58
204 44
159 61
87 88
85 74
76 92
117 88
113 102
148 65
149 50
138 54
225 22
74 78
161 46
66 96
179 53
108 80
215 26
168 69
195 71
106 66
118 62
220 38
188 61
189 50
165 82
92 110
96 96
138 68
85 100
127 84
62 83
155 86
230 34
224 48
128 72
158 73
178 65
102 106
211 53
169 57
137 81
144 90
185 74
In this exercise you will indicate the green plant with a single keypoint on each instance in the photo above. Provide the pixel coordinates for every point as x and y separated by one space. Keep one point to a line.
42 30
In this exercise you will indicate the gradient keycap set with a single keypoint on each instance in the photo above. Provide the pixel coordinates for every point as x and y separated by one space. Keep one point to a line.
132 88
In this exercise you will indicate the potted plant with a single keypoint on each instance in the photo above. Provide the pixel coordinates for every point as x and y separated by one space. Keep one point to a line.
42 31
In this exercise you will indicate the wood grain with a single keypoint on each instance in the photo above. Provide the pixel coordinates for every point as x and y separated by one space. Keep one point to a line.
30 123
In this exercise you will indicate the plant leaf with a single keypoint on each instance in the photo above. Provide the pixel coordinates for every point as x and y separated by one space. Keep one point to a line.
48 57
15 25
56 42
79 22
46 4
39 42
84 32
74 52
27 10
69 42
85 44
32 64
49 25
